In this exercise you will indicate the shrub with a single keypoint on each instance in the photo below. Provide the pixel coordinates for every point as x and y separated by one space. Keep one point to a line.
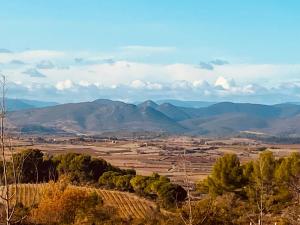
61 204
169 194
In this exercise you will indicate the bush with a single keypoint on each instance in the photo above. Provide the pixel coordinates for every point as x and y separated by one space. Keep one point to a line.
61 204
122 183
170 194
108 179
83 168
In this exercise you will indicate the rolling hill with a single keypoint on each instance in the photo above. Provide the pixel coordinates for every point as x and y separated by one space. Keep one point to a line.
220 119
127 204
97 116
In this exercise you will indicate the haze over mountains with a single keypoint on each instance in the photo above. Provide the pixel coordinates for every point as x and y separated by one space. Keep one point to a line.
21 104
220 119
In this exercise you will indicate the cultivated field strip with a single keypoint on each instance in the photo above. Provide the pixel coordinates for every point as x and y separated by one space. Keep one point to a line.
127 204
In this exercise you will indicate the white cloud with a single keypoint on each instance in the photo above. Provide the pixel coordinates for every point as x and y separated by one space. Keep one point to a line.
222 82
63 85
104 76
84 83
138 90
107 71
137 84
268 74
154 86
200 84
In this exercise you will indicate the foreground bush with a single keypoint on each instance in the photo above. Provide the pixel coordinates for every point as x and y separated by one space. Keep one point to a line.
61 204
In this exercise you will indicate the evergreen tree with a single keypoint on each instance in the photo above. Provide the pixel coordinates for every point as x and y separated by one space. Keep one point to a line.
227 175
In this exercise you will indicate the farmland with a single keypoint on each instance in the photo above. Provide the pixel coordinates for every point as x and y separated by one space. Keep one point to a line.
162 155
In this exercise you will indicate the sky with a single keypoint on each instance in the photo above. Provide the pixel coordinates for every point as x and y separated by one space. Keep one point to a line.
134 50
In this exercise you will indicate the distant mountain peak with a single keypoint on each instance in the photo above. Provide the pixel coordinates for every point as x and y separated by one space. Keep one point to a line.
102 101
148 103
187 104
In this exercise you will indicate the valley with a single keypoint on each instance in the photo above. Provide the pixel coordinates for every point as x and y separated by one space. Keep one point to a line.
161 155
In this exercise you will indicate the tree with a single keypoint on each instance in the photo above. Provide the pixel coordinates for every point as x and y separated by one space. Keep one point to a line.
83 168
288 176
156 183
170 194
6 150
227 175
29 164
108 179
76 166
97 167
262 187
122 182
140 183
288 173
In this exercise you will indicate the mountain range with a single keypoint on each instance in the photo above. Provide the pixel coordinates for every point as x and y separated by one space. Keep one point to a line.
21 104
219 119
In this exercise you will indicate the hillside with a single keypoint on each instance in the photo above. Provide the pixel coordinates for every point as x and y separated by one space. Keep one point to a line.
97 116
221 119
127 204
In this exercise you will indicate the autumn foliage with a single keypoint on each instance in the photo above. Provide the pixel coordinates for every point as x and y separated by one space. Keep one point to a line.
62 204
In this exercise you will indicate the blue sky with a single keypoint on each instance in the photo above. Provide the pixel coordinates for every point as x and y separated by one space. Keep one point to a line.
137 49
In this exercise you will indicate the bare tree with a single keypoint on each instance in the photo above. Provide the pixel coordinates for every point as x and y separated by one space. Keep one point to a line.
262 195
191 215
12 170
183 163
6 148
187 182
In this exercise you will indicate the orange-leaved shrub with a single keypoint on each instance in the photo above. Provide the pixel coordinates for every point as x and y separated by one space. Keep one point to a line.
63 204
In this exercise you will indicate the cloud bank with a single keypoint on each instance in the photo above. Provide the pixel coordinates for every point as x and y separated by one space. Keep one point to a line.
83 76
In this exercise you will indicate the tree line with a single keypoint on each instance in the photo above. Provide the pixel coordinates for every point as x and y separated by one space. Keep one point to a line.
261 191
